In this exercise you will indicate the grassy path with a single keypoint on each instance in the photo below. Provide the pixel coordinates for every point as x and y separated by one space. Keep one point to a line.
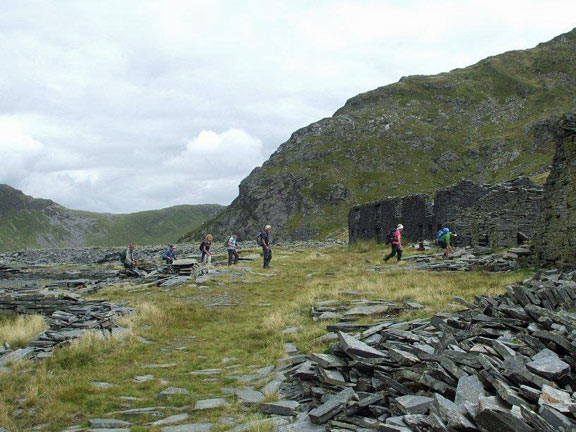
208 350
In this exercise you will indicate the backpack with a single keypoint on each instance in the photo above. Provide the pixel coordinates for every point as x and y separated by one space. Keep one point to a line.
390 236
259 240
123 256
441 233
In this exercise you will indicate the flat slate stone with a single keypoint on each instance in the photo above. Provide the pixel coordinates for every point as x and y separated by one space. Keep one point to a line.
108 423
272 387
327 360
172 391
469 390
557 399
172 419
210 404
356 347
249 397
367 310
283 408
189 427
143 378
501 421
102 385
451 414
331 407
413 404
332 376
547 364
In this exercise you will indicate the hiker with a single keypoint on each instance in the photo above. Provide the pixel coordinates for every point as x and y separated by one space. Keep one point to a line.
168 256
127 258
205 249
264 241
395 239
232 248
444 238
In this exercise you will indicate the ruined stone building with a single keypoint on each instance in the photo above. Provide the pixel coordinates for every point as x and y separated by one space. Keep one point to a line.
498 215
556 230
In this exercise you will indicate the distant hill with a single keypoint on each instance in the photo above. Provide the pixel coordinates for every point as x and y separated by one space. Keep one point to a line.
486 122
27 222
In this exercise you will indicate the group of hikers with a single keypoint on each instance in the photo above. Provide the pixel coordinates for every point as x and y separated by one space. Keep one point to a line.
394 238
169 255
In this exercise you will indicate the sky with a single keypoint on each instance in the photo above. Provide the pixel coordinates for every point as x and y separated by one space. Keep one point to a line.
128 105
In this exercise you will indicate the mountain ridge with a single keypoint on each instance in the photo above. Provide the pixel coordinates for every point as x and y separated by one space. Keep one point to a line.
487 122
28 222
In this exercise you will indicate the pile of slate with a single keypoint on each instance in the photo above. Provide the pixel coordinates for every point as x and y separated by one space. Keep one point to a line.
68 316
506 364
6 271
468 259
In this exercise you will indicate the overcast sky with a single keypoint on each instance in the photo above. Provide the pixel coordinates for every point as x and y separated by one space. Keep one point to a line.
126 105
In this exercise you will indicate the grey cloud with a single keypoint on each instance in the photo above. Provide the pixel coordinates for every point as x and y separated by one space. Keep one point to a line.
115 91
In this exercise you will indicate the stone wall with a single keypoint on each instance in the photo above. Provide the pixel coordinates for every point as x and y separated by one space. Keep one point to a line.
557 223
499 215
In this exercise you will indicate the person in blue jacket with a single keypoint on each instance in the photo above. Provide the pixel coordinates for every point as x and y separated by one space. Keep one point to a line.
169 256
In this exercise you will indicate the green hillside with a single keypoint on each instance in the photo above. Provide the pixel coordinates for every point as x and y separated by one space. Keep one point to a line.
487 122
27 222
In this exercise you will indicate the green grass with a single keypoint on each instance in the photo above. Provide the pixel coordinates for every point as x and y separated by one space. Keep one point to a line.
57 392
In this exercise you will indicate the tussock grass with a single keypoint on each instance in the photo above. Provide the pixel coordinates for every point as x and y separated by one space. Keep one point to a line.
183 331
19 331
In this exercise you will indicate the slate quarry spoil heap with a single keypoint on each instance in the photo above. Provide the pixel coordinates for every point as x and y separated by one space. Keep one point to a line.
68 315
504 365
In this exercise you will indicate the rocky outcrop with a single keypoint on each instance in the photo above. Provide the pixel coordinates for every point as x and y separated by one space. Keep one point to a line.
556 229
501 215
484 122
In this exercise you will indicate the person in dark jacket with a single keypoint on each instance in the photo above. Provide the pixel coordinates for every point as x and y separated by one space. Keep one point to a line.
127 258
205 249
266 249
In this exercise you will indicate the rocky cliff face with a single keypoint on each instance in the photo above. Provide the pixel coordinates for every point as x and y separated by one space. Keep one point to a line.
27 222
483 122
557 225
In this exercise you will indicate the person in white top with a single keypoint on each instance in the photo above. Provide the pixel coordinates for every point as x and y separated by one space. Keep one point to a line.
232 249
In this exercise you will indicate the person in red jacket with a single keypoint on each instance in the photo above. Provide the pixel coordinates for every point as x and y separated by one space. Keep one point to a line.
396 244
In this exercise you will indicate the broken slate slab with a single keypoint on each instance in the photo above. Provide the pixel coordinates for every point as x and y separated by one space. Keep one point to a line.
172 419
172 391
557 399
451 414
469 390
327 360
331 376
210 404
249 397
548 364
189 427
331 407
353 346
501 421
108 423
283 408
143 378
414 404
367 310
